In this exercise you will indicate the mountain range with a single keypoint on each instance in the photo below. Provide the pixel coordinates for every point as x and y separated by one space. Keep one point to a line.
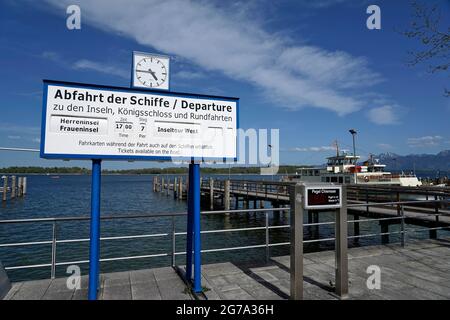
432 162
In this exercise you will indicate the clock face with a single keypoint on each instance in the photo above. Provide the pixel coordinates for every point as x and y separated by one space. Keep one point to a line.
152 72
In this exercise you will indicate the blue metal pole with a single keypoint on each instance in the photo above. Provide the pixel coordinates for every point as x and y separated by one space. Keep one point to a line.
189 229
197 236
94 244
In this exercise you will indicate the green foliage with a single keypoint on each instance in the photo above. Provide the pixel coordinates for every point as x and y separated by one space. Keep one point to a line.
173 170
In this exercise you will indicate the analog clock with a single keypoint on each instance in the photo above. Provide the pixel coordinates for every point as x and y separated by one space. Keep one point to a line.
151 71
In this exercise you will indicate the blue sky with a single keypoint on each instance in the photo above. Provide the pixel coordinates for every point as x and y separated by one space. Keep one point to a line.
311 69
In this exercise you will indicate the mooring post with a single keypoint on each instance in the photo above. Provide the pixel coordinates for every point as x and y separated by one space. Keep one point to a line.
24 185
211 193
94 244
161 189
13 187
154 183
5 187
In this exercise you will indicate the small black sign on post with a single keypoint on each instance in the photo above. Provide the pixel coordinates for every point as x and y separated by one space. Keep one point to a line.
326 197
323 197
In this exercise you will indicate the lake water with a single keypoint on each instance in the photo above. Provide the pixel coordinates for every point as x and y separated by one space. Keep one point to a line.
69 196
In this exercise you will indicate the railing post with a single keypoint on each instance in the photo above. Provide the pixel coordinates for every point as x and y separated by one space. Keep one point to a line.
296 217
402 227
341 245
174 247
267 237
53 270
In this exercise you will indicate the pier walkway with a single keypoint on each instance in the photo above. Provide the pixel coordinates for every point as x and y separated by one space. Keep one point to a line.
420 270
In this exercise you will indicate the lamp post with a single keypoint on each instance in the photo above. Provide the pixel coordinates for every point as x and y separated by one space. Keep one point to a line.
353 132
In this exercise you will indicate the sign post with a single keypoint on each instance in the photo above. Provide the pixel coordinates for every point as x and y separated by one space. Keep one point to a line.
193 241
94 244
195 185
190 226
327 197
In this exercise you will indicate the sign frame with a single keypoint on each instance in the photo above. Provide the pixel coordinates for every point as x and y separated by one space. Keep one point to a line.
321 207
165 93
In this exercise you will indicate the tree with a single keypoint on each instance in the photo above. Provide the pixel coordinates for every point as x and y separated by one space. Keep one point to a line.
427 27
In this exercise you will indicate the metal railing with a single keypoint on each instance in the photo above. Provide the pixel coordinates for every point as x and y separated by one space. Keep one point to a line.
173 233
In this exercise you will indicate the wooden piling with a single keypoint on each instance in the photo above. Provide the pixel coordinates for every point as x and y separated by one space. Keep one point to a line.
384 229
155 182
168 187
211 193
19 187
356 227
175 187
226 191
13 187
161 187
24 186
180 188
5 188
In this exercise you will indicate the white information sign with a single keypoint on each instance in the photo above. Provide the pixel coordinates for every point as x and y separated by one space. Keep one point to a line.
95 122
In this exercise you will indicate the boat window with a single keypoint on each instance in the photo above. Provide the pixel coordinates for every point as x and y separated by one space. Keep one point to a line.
328 179
316 172
347 179
323 179
341 180
333 179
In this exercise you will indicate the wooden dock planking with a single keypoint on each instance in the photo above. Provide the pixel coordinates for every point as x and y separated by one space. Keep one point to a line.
421 270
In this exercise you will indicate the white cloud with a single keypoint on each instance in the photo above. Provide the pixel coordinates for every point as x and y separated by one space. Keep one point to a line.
384 115
37 140
101 67
218 40
426 141
188 75
384 146
309 149
19 129
14 137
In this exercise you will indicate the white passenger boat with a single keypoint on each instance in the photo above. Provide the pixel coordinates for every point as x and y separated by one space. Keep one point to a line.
343 168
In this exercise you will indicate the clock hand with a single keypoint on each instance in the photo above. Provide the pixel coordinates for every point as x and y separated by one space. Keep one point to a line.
150 71
145 71
153 74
